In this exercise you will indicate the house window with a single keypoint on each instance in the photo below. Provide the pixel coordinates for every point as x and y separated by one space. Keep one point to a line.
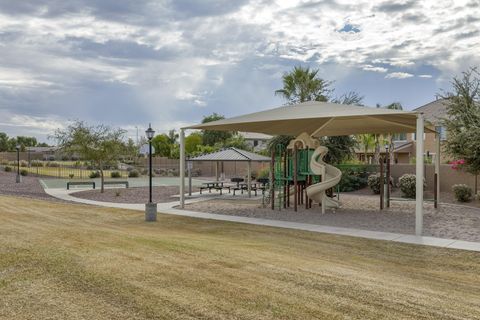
442 131
400 137
414 136
255 143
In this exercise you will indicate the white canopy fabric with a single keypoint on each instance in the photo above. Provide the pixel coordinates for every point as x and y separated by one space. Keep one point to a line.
319 119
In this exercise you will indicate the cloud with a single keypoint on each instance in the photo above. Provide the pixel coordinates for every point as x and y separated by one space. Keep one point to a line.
169 62
425 76
398 75
369 67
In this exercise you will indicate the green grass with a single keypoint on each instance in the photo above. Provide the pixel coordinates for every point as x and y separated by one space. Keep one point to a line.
61 261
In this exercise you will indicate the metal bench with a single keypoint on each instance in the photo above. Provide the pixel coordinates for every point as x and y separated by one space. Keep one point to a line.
113 182
80 183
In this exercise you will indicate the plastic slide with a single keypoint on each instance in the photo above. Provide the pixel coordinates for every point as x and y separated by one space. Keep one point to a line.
330 177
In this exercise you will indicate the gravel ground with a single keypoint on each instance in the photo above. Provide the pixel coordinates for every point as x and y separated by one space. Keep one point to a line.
361 212
131 195
30 187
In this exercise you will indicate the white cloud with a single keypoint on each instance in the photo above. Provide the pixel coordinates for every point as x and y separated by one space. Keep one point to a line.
425 76
398 75
369 67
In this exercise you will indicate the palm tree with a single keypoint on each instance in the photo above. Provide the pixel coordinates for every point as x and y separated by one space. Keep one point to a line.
367 140
302 84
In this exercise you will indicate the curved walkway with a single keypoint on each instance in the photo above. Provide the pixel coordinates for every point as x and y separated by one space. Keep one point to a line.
168 208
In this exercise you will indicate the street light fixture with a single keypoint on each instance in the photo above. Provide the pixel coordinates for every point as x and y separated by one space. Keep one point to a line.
19 177
150 207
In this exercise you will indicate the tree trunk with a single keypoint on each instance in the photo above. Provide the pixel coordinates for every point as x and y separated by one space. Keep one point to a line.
102 179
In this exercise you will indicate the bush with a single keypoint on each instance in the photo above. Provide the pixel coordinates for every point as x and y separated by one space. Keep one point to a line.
373 182
407 184
94 174
264 173
8 169
462 192
23 163
24 172
36 163
351 182
115 174
53 164
133 174
71 175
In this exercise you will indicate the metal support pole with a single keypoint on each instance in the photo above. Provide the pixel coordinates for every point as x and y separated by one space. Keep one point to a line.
295 182
381 184
249 179
182 168
437 169
19 178
150 175
419 177
272 179
388 179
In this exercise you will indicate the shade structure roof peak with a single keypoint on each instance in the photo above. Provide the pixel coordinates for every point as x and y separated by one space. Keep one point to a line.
319 119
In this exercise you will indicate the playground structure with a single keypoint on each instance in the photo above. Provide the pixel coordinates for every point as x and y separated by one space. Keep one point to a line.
300 165
323 119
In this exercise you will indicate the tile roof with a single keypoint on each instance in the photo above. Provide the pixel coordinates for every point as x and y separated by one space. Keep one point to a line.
230 154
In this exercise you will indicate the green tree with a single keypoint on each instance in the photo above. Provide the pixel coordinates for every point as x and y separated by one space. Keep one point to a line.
302 84
172 136
212 137
4 145
463 121
25 142
192 142
101 145
162 145
366 141
236 141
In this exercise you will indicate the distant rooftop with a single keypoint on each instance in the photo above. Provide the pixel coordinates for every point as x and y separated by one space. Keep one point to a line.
255 136
230 154
434 111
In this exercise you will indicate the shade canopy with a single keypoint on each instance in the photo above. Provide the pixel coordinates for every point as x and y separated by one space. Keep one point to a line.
319 119
230 154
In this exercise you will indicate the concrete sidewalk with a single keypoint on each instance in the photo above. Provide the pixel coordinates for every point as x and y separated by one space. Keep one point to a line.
168 208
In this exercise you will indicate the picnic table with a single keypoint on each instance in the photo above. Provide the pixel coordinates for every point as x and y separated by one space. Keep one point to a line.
217 185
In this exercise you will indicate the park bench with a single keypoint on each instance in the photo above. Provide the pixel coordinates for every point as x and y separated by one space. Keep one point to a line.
80 183
114 182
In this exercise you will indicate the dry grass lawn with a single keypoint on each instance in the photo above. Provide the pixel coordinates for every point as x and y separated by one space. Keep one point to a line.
61 261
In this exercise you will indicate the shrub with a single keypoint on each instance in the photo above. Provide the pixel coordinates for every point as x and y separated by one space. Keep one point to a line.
23 163
4 162
264 173
351 182
24 172
373 182
407 184
115 174
144 172
8 169
53 164
36 163
133 174
77 164
71 175
94 174
462 192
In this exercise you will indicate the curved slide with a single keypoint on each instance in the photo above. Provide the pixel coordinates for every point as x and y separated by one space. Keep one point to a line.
330 175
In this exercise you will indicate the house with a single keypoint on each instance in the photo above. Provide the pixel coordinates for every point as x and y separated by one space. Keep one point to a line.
42 153
257 141
405 143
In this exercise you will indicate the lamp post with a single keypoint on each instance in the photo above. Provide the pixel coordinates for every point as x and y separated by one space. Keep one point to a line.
150 207
19 177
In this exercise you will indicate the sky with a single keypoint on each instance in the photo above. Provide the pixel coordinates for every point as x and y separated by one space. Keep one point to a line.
126 63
